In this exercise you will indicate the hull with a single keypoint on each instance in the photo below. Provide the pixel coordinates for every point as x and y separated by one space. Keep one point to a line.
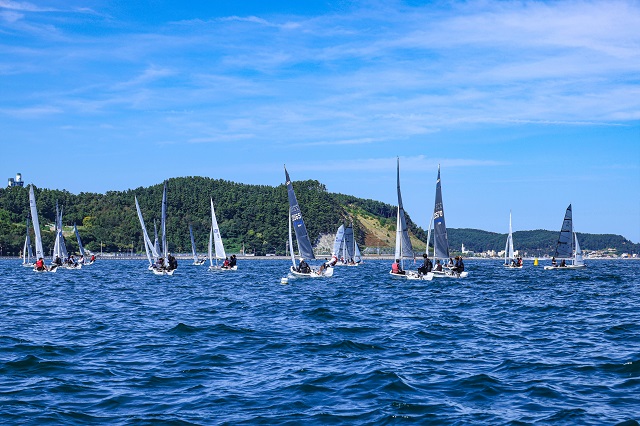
327 272
51 269
78 266
157 271
28 265
220 268
198 263
449 274
548 268
412 275
512 267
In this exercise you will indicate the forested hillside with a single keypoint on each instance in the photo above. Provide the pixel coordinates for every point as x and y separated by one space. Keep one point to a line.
255 215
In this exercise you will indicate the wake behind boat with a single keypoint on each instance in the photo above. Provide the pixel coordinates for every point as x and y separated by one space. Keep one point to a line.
567 247
302 270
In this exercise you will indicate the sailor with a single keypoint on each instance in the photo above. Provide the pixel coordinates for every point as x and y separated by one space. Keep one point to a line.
304 267
396 268
232 261
173 263
40 266
459 266
438 265
427 266
225 264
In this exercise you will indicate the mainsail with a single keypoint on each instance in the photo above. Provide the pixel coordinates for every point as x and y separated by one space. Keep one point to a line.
36 223
337 244
578 260
193 244
80 247
349 251
163 227
440 239
564 247
217 239
59 247
508 250
403 242
304 244
27 253
147 242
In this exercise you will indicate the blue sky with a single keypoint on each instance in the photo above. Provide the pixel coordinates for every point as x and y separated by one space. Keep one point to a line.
528 106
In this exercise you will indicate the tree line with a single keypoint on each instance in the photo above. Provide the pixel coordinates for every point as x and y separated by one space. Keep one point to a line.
251 215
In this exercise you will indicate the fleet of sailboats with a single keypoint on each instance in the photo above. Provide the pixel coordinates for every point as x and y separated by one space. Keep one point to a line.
345 245
567 247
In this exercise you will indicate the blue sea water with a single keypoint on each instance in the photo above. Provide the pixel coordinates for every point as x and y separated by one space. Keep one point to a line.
113 343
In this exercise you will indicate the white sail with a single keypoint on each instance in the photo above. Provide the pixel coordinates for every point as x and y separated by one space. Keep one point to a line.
508 250
147 242
577 260
193 245
59 247
156 242
27 253
338 241
211 248
36 223
217 239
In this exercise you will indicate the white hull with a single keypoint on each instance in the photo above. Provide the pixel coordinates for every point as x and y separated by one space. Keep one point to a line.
412 275
548 268
220 268
512 267
198 263
157 271
449 274
28 265
49 269
78 266
327 272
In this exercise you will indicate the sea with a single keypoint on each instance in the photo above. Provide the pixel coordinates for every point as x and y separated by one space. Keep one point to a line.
114 344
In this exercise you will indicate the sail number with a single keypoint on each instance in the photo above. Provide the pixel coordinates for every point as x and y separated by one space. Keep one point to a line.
438 214
296 216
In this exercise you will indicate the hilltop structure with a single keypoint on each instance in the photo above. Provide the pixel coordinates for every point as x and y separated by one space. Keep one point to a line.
16 182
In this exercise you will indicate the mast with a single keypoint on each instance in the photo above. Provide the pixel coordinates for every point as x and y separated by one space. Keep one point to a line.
403 242
163 226
302 237
217 239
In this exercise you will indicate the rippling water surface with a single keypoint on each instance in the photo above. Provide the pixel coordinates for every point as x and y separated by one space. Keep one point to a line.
114 343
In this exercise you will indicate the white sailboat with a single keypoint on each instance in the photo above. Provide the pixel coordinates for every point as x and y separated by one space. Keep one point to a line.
36 229
27 252
338 247
302 270
441 239
404 249
161 264
509 254
351 252
196 261
567 247
60 253
215 240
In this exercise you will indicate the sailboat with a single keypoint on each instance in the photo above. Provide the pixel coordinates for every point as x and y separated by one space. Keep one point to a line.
351 252
27 252
60 254
196 260
36 230
161 264
302 270
81 247
404 248
338 246
509 257
567 247
215 240
440 237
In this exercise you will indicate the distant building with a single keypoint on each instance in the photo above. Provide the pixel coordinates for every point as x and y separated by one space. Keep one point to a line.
16 182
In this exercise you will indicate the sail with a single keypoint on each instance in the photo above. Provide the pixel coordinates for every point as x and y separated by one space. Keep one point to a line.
304 245
337 244
578 260
210 251
80 247
440 239
36 223
564 248
27 253
193 245
163 226
217 239
403 242
59 247
348 243
147 242
156 242
508 250
357 257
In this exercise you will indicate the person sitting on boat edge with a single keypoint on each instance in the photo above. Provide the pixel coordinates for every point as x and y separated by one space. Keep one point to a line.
563 264
232 261
173 263
553 261
519 261
396 268
159 263
93 258
438 265
225 264
459 266
40 266
427 266
57 261
304 267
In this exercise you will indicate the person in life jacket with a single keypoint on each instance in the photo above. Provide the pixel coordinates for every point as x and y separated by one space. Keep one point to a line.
427 266
40 265
396 268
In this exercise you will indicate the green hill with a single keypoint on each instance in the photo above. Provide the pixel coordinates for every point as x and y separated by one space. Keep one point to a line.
255 215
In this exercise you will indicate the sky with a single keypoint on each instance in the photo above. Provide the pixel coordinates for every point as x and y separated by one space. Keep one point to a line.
527 106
